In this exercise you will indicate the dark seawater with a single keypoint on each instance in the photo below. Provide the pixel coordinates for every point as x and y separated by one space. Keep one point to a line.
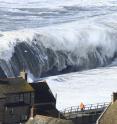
55 37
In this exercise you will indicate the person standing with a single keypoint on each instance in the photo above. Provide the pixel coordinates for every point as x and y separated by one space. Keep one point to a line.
82 106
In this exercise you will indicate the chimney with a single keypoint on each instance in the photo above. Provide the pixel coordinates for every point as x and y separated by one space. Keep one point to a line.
24 74
114 97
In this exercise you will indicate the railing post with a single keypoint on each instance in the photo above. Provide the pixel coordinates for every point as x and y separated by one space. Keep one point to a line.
90 106
64 111
77 109
104 105
91 109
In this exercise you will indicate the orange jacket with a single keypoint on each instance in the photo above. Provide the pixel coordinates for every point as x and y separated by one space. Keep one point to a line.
82 106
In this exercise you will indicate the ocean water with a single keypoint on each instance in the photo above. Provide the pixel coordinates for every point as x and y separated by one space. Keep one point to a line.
81 24
90 87
62 36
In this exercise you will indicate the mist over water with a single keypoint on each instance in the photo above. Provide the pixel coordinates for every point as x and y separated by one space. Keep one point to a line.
57 36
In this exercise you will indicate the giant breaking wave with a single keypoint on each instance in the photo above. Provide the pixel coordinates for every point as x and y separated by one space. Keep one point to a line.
49 51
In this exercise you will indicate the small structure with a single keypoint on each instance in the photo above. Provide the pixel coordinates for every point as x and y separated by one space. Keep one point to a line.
16 97
20 100
45 102
114 97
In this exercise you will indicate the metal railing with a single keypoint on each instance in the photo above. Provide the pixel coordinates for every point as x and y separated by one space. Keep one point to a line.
90 109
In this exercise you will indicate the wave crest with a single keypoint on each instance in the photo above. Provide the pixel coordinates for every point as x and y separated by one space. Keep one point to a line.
50 51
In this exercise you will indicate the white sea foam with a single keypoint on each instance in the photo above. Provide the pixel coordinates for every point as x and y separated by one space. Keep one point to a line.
9 39
80 29
53 4
77 37
90 87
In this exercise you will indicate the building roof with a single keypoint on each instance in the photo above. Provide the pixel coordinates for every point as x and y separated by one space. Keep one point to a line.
43 92
48 120
14 85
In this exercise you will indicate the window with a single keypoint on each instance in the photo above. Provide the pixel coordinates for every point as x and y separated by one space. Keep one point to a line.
21 98
24 117
16 98
6 108
27 97
32 98
11 111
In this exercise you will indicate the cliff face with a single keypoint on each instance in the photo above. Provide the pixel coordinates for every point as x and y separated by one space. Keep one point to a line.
39 119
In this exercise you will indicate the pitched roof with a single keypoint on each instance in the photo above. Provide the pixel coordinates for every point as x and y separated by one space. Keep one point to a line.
14 85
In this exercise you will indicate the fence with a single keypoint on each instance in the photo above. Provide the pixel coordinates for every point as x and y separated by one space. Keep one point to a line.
90 109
